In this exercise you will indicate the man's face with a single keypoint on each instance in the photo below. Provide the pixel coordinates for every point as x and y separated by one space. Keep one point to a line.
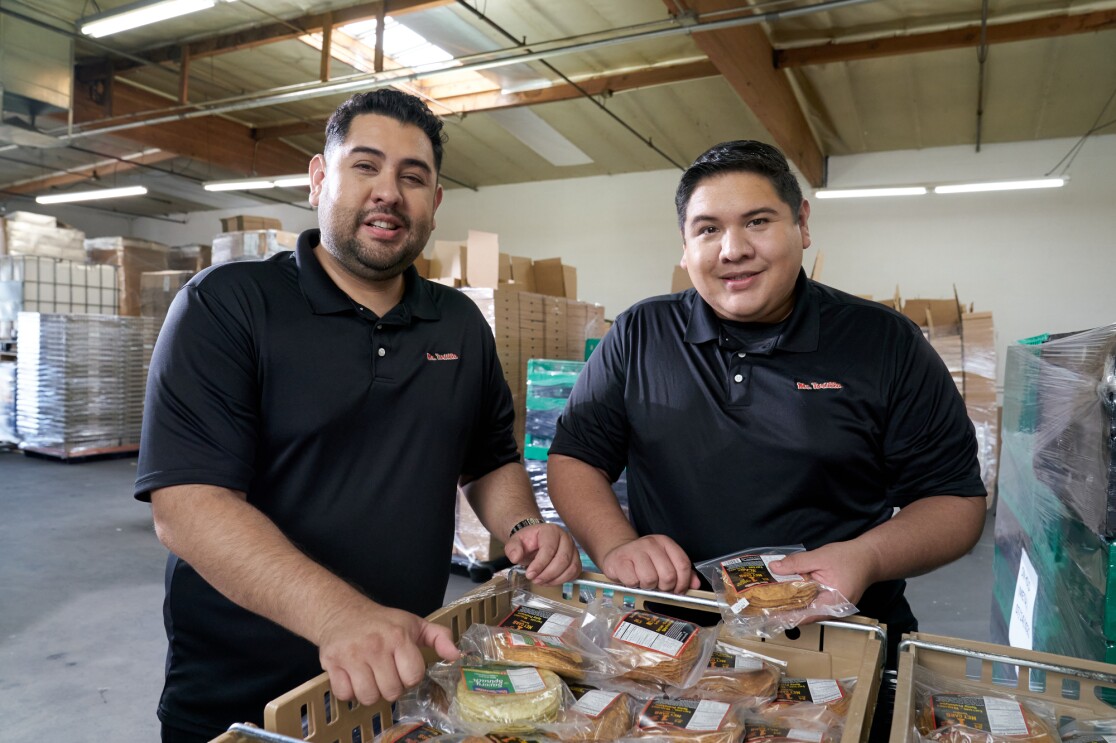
376 195
743 248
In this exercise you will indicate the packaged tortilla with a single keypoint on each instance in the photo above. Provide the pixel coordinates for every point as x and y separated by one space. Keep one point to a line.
650 647
833 695
755 601
734 674
773 728
570 653
507 699
690 720
1073 730
409 731
953 711
598 714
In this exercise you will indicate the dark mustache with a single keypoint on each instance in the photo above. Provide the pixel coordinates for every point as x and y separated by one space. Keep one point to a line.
372 214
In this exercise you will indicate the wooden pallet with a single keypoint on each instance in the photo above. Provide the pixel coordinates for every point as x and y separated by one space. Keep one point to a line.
82 454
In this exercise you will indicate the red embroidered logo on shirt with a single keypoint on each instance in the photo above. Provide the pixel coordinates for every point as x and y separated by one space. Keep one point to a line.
441 356
820 385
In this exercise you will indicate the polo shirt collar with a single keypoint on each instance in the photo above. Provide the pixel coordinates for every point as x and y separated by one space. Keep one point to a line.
801 333
326 298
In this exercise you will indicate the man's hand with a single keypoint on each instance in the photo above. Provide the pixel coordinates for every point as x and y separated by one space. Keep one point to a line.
654 562
846 566
547 551
372 652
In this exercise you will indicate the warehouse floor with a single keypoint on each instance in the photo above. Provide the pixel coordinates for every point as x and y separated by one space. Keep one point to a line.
81 636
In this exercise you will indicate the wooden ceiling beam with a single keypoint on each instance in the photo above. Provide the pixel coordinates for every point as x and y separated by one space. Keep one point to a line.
744 56
78 175
268 33
954 38
212 139
494 99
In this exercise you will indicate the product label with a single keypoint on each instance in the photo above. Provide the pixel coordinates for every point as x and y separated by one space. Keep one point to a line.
992 714
726 657
504 681
687 714
542 621
505 738
419 733
746 571
760 732
655 632
1021 631
594 702
813 691
518 639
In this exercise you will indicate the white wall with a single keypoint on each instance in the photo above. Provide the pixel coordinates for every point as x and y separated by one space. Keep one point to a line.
1041 261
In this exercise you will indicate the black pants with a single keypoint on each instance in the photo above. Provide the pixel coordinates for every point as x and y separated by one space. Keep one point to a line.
177 735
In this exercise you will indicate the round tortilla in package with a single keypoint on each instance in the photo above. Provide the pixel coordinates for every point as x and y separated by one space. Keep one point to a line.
833 695
597 714
953 711
738 675
755 601
571 654
656 648
507 699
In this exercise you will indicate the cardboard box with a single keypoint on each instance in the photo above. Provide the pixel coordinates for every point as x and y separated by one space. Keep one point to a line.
505 268
157 290
851 648
1071 685
190 257
134 257
251 245
473 263
555 279
249 223
523 272
680 280
422 265
26 233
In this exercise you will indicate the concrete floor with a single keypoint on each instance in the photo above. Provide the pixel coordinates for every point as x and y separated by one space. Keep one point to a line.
81 635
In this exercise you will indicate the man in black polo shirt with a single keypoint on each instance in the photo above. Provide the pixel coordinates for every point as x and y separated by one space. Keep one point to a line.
761 408
307 423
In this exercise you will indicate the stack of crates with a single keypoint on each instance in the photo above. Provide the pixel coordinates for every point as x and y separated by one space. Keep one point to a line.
1055 558
80 381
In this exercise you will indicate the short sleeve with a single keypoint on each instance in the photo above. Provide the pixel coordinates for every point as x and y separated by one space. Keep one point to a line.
930 447
493 443
594 425
201 410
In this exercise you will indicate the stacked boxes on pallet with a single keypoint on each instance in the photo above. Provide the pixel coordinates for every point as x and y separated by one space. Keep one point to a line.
1055 561
525 325
133 257
80 381
32 283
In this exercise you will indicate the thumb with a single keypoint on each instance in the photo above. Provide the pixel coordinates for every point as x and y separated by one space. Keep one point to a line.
789 564
514 549
441 639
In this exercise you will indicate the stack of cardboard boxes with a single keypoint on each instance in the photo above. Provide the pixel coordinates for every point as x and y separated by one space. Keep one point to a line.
966 342
1055 560
526 323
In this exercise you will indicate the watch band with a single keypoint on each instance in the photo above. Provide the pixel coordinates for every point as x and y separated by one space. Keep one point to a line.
522 525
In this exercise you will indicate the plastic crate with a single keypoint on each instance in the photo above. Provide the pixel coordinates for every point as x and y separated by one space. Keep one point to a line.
1073 686
831 649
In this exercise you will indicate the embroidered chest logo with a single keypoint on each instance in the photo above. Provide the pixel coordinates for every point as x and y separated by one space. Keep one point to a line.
819 385
441 356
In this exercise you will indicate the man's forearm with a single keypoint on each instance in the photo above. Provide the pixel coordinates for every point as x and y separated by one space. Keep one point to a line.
502 498
584 497
241 553
923 536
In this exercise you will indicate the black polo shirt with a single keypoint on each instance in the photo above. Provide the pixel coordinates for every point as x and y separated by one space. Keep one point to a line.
348 431
738 436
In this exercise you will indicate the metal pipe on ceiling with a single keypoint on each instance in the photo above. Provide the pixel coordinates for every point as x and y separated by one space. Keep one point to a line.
475 62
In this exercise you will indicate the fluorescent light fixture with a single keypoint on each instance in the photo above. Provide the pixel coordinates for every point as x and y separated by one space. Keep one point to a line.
292 181
104 193
139 14
1001 186
858 193
245 184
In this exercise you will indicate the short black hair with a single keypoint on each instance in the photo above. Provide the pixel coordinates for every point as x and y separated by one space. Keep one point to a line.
740 156
395 104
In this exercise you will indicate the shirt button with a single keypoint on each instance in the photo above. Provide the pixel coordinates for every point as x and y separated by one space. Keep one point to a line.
738 378
379 327
741 354
381 352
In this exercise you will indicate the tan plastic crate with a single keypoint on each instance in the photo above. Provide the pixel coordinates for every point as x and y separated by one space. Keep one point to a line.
1070 684
848 648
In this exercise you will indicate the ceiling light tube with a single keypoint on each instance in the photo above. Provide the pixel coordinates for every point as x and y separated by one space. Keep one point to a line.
241 185
104 193
139 14
292 181
857 193
1001 186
